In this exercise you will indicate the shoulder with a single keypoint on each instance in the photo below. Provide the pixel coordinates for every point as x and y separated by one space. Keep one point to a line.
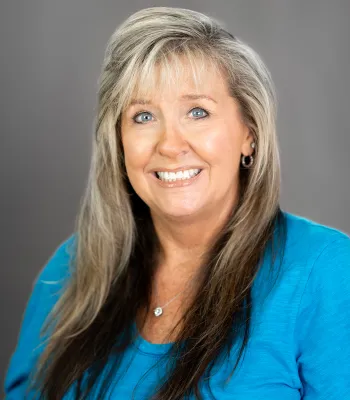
326 250
310 242
311 256
318 258
302 230
50 281
58 267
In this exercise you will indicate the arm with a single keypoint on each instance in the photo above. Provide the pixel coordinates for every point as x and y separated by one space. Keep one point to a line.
323 326
43 297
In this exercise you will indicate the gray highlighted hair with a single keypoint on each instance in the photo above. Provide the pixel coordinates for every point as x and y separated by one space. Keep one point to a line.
113 262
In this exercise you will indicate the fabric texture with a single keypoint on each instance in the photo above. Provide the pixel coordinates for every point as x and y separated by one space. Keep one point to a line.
300 340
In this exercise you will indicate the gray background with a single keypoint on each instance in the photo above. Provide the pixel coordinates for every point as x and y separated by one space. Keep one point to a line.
51 53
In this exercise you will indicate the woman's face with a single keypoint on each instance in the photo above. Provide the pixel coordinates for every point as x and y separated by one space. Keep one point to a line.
183 148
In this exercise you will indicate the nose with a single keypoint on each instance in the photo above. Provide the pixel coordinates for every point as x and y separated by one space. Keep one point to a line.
172 143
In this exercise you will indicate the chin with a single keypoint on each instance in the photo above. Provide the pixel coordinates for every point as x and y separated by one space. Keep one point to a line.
178 208
180 213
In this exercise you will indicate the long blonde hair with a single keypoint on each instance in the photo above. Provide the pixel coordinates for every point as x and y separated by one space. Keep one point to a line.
109 241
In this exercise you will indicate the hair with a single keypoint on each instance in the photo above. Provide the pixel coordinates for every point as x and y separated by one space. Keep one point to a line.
115 246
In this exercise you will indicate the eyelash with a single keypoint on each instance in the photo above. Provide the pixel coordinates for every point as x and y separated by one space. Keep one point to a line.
141 112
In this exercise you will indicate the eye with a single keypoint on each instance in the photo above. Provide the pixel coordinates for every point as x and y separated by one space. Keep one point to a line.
199 112
138 121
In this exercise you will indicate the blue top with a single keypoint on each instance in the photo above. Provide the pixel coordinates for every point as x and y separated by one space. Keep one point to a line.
300 342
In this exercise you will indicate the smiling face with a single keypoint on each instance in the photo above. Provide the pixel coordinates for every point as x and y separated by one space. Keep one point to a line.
183 147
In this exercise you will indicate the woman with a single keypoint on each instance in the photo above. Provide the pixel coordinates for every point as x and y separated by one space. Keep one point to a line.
184 278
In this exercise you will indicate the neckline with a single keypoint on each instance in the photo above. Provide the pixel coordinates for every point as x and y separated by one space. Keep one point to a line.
147 347
158 349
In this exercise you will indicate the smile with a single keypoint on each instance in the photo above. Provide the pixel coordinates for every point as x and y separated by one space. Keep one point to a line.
177 176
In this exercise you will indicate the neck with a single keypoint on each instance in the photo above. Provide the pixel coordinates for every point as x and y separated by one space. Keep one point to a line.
185 241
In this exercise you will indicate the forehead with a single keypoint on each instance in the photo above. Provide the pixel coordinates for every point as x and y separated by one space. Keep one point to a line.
177 77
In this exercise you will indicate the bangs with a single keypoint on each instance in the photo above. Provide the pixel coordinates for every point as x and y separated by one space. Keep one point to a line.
158 74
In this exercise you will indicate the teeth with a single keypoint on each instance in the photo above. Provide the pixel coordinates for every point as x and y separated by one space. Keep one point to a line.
176 176
187 174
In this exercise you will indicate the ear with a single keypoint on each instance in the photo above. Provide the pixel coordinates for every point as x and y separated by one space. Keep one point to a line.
248 139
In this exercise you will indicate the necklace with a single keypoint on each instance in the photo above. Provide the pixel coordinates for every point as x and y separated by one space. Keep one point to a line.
158 311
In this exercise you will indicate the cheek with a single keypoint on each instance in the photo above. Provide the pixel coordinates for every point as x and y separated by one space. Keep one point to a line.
136 152
222 148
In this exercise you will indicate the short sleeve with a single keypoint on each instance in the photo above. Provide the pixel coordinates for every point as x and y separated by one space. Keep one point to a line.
322 330
43 297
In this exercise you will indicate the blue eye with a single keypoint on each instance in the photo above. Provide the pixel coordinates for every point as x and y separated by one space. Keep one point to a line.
142 120
200 110
198 115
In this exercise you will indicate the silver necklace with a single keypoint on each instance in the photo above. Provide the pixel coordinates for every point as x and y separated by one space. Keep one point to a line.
158 311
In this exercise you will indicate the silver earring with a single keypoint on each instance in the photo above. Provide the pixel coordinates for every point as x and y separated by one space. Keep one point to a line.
249 163
245 163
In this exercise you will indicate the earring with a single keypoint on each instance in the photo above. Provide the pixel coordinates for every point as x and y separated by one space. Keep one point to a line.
246 163
250 161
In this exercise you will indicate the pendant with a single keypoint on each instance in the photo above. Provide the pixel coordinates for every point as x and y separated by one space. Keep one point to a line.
158 311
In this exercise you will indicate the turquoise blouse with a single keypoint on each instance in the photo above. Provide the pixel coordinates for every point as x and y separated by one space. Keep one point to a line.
300 340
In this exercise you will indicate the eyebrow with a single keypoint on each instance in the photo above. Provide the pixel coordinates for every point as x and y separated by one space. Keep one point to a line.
184 97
